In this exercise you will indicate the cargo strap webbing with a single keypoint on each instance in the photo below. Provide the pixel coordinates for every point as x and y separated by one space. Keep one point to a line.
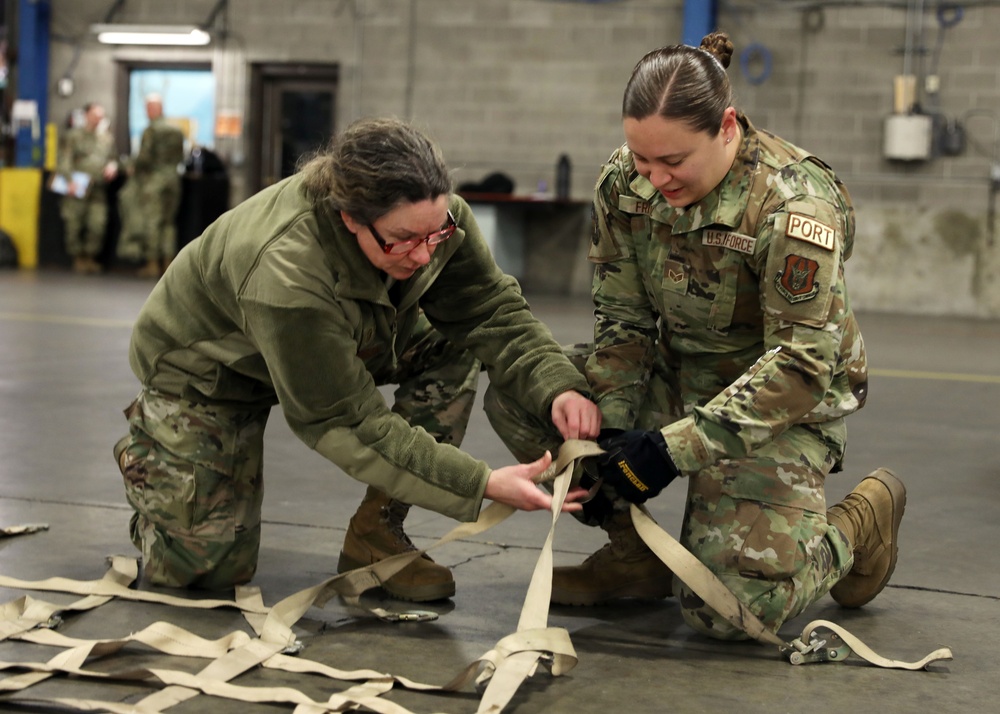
808 647
504 667
23 529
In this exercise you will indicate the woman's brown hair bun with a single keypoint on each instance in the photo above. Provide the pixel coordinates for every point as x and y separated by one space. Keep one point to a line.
719 46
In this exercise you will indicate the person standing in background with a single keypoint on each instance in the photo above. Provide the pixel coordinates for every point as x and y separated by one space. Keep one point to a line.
86 164
150 199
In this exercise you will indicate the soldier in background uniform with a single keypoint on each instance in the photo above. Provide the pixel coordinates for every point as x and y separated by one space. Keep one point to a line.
87 163
360 270
726 352
149 201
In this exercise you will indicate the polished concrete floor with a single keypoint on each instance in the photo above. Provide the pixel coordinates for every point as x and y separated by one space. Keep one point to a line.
933 417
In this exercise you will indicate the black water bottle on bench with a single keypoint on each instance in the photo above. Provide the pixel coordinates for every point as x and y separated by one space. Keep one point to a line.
562 178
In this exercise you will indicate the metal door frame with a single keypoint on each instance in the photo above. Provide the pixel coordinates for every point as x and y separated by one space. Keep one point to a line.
123 72
264 79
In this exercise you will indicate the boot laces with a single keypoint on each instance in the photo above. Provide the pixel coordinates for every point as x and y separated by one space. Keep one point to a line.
392 515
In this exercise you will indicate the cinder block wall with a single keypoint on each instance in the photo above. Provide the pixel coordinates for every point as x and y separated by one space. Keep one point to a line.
509 85
925 240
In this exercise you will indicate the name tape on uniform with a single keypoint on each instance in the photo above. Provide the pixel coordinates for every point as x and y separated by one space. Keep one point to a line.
810 230
733 241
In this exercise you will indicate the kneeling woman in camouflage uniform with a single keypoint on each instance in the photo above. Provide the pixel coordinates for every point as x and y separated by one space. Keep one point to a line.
726 352
359 271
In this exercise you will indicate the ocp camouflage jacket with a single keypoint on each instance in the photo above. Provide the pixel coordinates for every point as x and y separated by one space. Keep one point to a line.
743 293
161 149
86 151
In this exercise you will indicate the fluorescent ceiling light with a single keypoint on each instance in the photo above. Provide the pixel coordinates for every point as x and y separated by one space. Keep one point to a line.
150 35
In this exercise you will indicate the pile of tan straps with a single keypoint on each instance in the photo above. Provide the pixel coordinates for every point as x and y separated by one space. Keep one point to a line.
498 673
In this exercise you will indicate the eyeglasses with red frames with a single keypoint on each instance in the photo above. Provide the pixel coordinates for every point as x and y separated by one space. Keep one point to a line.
405 246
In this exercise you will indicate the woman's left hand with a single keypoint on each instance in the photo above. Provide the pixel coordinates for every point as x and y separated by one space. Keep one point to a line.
515 486
575 416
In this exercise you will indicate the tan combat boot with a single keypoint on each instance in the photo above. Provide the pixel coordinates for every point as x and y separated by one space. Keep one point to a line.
869 518
623 568
375 533
80 265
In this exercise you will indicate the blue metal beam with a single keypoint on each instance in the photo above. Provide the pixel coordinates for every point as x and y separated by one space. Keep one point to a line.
699 20
32 78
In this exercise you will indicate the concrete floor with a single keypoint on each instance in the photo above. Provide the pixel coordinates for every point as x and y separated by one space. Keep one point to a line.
932 417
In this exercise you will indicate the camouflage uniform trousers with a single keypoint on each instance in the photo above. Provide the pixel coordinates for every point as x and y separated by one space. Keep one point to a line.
436 384
148 206
193 474
193 471
84 220
758 523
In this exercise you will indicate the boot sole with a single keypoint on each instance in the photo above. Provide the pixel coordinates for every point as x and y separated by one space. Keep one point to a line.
645 590
412 593
852 584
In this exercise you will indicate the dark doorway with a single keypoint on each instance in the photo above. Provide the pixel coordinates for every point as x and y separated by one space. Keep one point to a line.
293 112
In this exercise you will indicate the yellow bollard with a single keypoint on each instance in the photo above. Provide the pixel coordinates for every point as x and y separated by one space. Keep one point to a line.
20 201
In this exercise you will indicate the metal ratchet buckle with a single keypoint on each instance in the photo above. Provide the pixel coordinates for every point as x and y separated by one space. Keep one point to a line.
410 616
831 649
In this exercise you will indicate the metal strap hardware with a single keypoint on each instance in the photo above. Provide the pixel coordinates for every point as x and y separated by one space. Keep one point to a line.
816 651
406 616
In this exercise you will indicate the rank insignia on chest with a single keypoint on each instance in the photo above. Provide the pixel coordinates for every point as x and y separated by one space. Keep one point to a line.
797 280
675 276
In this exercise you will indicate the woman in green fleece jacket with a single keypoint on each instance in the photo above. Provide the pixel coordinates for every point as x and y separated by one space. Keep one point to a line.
361 270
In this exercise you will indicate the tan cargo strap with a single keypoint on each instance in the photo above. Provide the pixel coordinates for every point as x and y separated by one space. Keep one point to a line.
808 647
504 667
115 583
522 651
23 529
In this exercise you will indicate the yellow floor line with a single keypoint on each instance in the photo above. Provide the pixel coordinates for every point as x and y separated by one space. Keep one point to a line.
942 376
64 319
897 373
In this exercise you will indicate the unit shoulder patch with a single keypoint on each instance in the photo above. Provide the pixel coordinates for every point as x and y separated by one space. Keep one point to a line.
797 280
728 239
810 230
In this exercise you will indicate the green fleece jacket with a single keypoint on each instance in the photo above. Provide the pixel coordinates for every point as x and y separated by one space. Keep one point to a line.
276 304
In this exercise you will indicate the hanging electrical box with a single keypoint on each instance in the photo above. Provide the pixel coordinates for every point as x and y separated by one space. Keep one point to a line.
908 137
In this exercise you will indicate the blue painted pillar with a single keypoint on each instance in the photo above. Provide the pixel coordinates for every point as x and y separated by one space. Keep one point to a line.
32 78
699 20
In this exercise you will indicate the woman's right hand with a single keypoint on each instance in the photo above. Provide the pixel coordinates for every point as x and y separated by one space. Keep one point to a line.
514 485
